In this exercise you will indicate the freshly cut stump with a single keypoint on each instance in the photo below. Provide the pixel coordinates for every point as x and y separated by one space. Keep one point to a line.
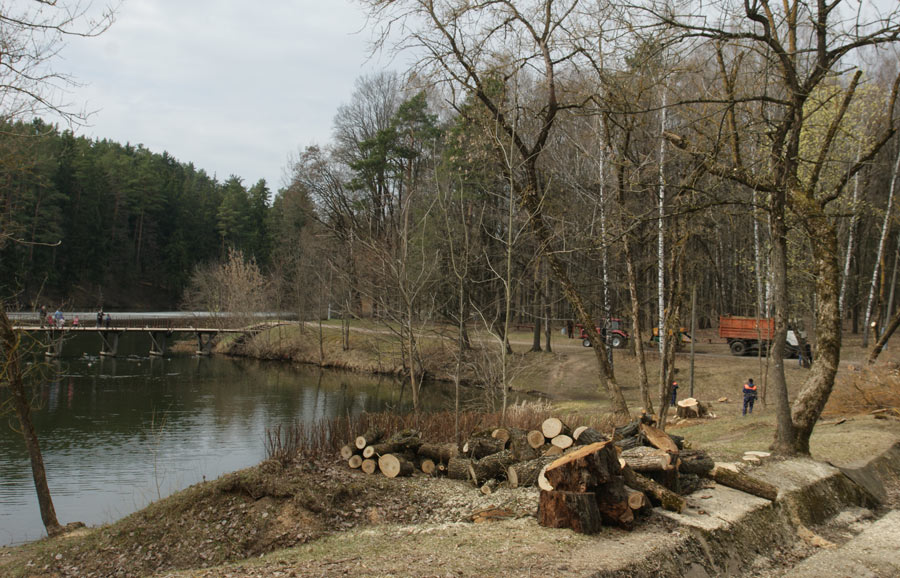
393 466
584 469
575 510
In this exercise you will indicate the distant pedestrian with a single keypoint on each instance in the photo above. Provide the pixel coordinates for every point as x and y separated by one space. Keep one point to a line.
58 318
674 392
100 318
749 396
570 329
43 316
75 322
108 320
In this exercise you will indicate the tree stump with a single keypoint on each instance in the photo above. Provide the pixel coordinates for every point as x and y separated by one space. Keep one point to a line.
612 501
583 469
575 510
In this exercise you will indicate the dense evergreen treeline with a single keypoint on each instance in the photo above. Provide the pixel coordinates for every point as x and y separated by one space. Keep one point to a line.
107 224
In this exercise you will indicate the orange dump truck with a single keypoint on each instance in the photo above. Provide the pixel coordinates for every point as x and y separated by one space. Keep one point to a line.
745 335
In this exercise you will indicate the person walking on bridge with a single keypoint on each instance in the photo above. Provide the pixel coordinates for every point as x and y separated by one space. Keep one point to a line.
100 318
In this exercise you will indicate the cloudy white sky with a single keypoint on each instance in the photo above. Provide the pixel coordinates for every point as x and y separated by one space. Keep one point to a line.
233 86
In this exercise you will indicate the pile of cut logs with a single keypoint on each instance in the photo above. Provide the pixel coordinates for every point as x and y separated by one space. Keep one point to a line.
586 477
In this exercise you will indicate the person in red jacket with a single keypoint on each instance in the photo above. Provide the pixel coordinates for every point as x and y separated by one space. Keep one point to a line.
749 396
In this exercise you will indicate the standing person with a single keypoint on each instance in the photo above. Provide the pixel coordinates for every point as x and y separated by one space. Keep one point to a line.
43 315
749 396
674 393
100 317
108 320
58 318
570 329
75 322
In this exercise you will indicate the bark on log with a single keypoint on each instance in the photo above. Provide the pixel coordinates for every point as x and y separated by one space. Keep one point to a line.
492 466
355 461
644 459
689 483
535 438
630 442
657 493
525 474
695 462
743 482
552 450
439 452
477 448
563 441
347 452
628 430
372 436
575 510
506 434
520 447
583 469
392 466
458 468
589 436
405 441
553 427
369 466
658 438
612 501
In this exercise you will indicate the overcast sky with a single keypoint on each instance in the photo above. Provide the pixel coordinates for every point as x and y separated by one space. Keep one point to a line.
233 86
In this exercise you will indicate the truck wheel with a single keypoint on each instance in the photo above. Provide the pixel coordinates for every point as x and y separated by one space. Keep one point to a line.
586 342
738 348
617 341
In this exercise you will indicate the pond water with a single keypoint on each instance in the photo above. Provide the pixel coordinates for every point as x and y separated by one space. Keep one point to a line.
118 433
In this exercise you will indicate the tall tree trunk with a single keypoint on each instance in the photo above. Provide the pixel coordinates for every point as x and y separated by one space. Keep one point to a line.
808 406
536 307
784 431
885 227
12 374
851 235
643 382
545 296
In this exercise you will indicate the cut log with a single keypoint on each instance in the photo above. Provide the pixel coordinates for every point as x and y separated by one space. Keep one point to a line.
347 451
520 446
525 474
369 466
489 486
552 450
506 434
535 438
637 500
658 438
577 431
644 459
439 452
427 466
491 467
355 461
695 462
392 466
657 493
689 483
458 468
553 427
575 510
542 480
612 501
372 436
405 441
589 435
562 441
631 442
743 482
477 448
628 430
584 468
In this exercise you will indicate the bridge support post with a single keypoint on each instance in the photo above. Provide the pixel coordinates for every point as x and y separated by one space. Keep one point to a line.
54 343
110 343
158 342
205 342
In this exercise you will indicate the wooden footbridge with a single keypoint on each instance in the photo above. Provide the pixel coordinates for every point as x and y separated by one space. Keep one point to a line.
157 327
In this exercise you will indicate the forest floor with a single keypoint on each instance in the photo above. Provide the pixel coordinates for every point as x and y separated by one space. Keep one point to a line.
315 517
